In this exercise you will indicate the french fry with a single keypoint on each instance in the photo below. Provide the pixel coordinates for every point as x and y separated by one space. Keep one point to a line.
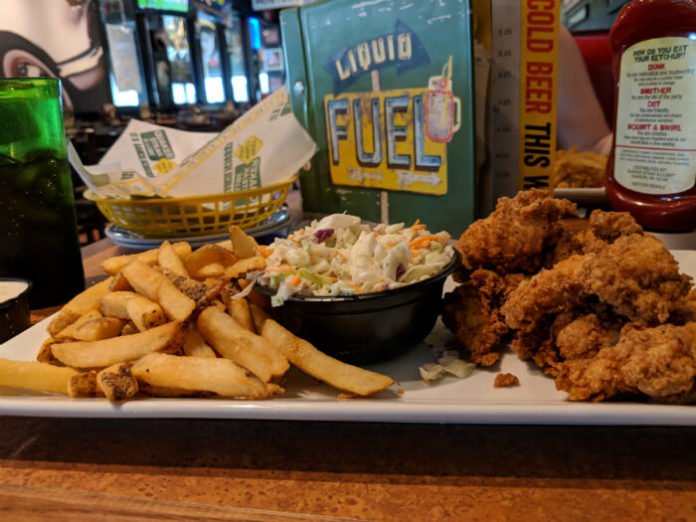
35 376
226 244
243 266
84 384
144 279
176 305
91 327
210 271
100 328
144 313
220 376
212 293
114 264
195 345
45 355
120 283
65 318
239 311
201 263
258 316
69 331
114 304
307 358
117 382
155 286
168 258
129 329
243 245
78 306
190 287
245 348
100 354
114 339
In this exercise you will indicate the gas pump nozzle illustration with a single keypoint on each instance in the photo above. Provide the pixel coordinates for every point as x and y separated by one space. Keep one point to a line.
443 111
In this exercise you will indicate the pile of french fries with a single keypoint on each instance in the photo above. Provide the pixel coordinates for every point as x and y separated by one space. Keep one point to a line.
177 322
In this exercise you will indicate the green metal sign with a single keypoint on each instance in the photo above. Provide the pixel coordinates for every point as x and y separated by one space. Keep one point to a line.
385 88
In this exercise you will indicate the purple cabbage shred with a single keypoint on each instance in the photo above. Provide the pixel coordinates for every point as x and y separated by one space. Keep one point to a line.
400 270
323 234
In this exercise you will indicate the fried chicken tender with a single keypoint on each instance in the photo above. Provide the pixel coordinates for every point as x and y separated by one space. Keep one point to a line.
658 362
569 336
638 277
598 304
550 292
572 335
566 243
472 313
496 252
577 236
513 237
583 336
686 312
610 226
576 309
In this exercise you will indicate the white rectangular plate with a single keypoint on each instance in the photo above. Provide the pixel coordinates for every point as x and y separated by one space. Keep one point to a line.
594 197
473 400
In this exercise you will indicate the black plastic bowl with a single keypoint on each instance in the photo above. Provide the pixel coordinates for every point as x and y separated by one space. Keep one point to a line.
15 314
366 328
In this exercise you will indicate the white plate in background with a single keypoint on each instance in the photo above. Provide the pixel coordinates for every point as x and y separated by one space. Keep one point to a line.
595 197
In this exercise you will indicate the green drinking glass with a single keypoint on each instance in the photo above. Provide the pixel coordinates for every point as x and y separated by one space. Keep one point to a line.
38 229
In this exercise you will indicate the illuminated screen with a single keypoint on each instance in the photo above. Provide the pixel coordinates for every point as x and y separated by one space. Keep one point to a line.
181 6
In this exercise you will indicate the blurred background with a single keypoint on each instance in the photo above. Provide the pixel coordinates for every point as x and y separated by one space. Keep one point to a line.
190 64
157 55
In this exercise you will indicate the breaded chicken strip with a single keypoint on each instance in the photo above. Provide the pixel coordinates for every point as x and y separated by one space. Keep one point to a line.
658 362
577 335
575 309
638 277
550 292
513 237
610 226
472 313
583 336
569 336
577 236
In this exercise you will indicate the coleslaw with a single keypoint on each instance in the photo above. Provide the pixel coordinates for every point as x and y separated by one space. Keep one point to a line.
340 255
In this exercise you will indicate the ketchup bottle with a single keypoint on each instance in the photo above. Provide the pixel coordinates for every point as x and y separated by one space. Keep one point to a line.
652 169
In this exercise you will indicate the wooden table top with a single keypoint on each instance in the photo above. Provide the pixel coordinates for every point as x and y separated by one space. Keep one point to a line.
140 469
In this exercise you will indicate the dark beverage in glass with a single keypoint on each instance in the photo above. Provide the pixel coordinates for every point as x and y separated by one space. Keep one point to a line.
38 229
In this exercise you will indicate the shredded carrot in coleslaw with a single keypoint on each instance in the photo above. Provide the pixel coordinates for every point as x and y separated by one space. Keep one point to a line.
340 255
264 251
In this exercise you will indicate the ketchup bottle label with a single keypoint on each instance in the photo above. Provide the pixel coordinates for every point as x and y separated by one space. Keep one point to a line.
655 150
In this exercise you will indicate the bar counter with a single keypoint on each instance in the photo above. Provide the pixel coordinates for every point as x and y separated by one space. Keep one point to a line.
140 469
